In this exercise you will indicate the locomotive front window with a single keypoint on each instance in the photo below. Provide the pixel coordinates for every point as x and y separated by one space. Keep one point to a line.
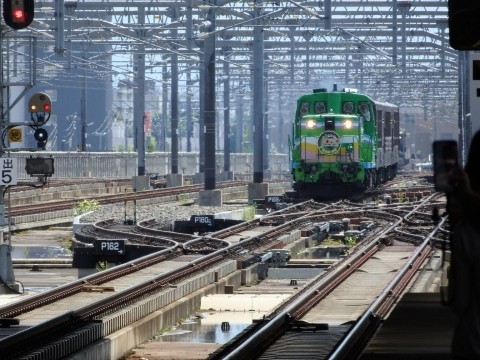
320 107
304 108
348 107
364 111
329 124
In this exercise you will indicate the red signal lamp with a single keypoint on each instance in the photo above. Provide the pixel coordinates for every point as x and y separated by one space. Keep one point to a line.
18 14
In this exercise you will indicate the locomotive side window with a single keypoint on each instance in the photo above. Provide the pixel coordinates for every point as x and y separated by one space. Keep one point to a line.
388 124
329 124
304 108
348 107
320 107
364 111
396 128
380 128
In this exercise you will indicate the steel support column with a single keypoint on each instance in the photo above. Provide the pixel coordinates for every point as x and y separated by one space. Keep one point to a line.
258 95
226 110
209 130
174 99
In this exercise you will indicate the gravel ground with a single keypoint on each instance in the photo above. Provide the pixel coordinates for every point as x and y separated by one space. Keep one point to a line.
164 214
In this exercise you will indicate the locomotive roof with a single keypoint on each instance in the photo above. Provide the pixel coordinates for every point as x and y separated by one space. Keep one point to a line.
386 104
381 103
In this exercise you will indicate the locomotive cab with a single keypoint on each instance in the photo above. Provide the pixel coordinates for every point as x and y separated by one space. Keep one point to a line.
342 143
328 148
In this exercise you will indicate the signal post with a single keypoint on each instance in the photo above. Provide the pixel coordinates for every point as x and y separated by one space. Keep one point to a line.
17 14
39 107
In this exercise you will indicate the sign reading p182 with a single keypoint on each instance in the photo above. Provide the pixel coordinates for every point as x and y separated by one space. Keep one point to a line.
110 247
9 171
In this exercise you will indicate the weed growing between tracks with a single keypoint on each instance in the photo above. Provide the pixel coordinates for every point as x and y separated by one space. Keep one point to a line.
85 206
249 213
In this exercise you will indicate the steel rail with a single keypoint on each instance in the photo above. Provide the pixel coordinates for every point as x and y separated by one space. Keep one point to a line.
270 328
90 312
255 344
77 318
372 317
19 307
115 198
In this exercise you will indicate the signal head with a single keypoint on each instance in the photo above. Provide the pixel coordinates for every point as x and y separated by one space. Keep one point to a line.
41 135
40 103
18 14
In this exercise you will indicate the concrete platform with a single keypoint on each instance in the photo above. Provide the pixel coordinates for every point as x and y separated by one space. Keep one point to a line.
419 328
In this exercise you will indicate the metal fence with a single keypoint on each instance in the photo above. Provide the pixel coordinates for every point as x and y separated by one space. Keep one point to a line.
114 165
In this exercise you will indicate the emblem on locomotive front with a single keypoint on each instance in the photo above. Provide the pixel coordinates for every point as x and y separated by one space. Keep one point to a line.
329 143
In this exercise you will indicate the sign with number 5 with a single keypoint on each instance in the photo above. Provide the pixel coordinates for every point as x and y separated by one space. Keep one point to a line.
9 171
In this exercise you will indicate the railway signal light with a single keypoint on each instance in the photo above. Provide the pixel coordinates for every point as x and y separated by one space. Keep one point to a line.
40 102
40 108
18 14
41 135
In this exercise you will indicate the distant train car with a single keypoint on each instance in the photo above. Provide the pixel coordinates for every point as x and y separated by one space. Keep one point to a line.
342 143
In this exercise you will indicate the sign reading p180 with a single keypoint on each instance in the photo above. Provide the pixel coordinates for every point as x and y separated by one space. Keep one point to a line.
202 220
110 247
273 199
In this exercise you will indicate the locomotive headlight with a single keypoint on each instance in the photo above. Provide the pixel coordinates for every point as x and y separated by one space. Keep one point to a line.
348 124
311 124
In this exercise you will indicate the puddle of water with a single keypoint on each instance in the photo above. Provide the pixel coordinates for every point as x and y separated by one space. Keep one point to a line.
40 252
36 290
207 327
322 253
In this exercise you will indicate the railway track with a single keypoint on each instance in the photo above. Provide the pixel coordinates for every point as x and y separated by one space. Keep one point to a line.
118 198
315 306
182 257
30 312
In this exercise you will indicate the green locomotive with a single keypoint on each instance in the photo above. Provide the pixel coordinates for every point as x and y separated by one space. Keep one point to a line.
342 143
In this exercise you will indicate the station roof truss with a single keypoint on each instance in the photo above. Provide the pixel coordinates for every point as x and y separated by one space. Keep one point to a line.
395 50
